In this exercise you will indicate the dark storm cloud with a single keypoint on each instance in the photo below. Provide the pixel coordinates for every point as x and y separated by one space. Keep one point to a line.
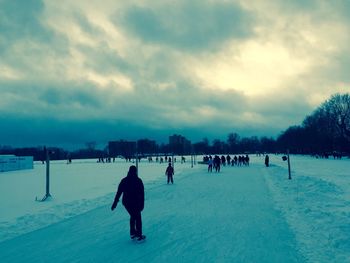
72 75
103 59
66 97
40 99
21 19
35 131
189 25
25 39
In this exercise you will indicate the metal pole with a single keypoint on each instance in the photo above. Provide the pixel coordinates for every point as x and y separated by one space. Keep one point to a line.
289 173
47 173
137 160
172 161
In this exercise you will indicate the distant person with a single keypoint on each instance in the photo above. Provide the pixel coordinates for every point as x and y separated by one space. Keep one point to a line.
210 164
205 159
169 173
235 161
240 160
267 160
247 160
223 160
228 158
216 163
132 189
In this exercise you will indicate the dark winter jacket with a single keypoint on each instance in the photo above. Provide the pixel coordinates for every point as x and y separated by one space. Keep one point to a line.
169 171
132 189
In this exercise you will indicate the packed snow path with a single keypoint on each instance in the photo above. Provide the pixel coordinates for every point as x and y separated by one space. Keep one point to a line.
204 217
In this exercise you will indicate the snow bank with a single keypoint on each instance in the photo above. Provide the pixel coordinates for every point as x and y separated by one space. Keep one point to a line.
316 204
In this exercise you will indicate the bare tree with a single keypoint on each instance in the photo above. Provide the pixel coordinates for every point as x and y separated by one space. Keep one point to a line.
233 141
338 110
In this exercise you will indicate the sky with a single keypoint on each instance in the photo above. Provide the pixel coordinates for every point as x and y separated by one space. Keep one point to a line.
78 71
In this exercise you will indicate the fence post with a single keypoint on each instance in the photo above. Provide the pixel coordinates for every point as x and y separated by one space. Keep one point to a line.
137 159
289 172
47 173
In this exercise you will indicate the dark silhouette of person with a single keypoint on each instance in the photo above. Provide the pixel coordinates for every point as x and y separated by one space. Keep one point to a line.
170 172
267 160
216 163
133 200
247 160
235 161
210 164
223 160
228 158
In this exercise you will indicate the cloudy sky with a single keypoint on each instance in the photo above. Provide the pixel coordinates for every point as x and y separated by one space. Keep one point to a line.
98 70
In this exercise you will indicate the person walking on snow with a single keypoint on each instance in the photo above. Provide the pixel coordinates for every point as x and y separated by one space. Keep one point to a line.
170 172
267 160
210 164
133 200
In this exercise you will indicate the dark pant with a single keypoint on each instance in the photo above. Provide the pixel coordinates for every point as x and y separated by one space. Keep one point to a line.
170 178
135 221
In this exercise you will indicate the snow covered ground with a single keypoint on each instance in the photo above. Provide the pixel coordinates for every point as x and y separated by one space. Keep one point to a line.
243 214
315 203
75 188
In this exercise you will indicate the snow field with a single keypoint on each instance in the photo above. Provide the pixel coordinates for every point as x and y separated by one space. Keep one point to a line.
225 217
243 214
76 188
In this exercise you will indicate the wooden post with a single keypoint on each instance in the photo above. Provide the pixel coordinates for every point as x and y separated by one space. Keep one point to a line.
289 172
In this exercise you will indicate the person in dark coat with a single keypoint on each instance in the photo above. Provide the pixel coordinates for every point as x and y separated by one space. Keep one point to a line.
216 162
267 160
170 172
133 200
210 164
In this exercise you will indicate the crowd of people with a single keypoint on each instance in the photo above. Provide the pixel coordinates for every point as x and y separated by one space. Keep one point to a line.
216 161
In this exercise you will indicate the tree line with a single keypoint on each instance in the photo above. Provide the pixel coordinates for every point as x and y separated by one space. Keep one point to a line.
325 131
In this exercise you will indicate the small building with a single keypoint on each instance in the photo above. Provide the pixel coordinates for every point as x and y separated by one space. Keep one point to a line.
13 163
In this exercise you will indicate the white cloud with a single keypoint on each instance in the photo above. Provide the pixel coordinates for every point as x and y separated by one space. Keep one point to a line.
269 69
9 73
253 68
